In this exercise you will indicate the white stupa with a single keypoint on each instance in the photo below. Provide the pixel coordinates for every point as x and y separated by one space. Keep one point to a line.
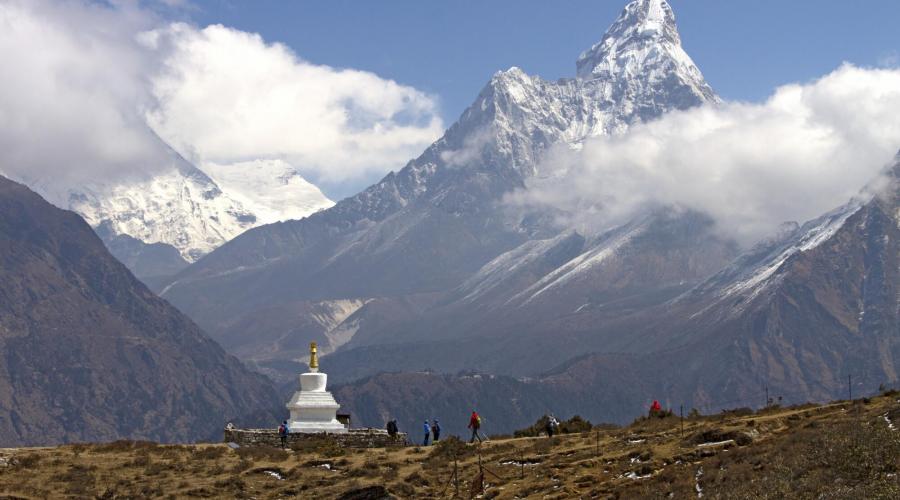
313 409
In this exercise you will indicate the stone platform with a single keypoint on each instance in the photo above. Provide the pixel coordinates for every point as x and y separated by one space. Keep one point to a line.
353 438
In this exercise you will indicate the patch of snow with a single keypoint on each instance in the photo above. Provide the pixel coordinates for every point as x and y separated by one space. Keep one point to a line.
697 487
717 443
274 474
890 424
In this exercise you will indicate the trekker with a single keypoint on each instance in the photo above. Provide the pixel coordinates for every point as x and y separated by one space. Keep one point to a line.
655 409
475 425
427 434
392 428
283 431
436 430
552 425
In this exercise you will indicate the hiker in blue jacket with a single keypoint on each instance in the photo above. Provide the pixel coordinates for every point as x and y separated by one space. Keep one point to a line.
427 434
436 431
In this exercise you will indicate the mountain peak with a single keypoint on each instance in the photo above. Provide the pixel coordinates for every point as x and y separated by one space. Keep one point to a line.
643 47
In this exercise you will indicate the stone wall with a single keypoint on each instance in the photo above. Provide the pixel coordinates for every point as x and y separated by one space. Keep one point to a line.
354 438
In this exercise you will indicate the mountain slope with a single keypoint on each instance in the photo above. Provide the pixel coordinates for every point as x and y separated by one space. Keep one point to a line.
793 317
426 229
89 353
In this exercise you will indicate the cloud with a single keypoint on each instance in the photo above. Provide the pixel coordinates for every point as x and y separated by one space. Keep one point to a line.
806 150
94 89
73 89
227 96
473 148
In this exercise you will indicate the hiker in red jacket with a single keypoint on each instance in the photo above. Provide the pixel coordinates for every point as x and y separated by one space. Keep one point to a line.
655 408
475 424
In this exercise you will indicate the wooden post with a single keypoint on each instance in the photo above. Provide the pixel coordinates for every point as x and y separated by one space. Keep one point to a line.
681 412
522 464
456 474
478 486
850 386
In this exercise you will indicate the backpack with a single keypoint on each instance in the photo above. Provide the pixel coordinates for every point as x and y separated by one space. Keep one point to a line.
478 421
282 430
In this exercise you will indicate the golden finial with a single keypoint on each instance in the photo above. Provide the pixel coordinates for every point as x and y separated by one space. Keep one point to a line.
313 358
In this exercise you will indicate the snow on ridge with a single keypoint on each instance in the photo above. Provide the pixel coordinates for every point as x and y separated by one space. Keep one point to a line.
494 272
812 234
580 265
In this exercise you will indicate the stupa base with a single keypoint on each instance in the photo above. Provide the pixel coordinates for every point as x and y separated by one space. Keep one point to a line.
317 427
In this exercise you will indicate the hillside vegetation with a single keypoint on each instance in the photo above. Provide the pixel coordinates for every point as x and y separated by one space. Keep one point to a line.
848 449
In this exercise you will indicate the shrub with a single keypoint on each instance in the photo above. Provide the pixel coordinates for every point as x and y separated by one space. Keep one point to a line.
575 424
369 468
209 452
28 461
124 446
79 480
743 411
450 448
262 453
232 483
403 490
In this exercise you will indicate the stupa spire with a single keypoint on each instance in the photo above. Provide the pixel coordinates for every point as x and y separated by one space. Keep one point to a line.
313 357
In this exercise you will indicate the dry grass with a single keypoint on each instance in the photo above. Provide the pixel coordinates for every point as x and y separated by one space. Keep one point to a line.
834 451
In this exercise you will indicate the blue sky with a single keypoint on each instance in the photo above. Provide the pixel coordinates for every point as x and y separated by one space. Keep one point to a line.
450 49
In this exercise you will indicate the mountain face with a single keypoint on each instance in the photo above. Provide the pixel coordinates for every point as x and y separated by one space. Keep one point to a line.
184 208
793 317
90 354
149 262
407 243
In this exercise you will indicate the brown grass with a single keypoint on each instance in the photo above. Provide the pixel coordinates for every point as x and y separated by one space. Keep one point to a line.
834 451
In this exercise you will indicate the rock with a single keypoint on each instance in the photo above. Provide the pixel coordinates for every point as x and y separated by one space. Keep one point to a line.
367 493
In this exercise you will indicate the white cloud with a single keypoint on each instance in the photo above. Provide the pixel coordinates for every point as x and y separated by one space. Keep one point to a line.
72 90
473 148
227 96
807 149
90 88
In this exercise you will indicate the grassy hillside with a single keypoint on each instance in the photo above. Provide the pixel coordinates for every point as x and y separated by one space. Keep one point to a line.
840 450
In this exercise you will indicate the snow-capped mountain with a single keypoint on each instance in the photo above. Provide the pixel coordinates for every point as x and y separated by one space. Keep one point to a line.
419 233
273 190
189 209
796 315
641 57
